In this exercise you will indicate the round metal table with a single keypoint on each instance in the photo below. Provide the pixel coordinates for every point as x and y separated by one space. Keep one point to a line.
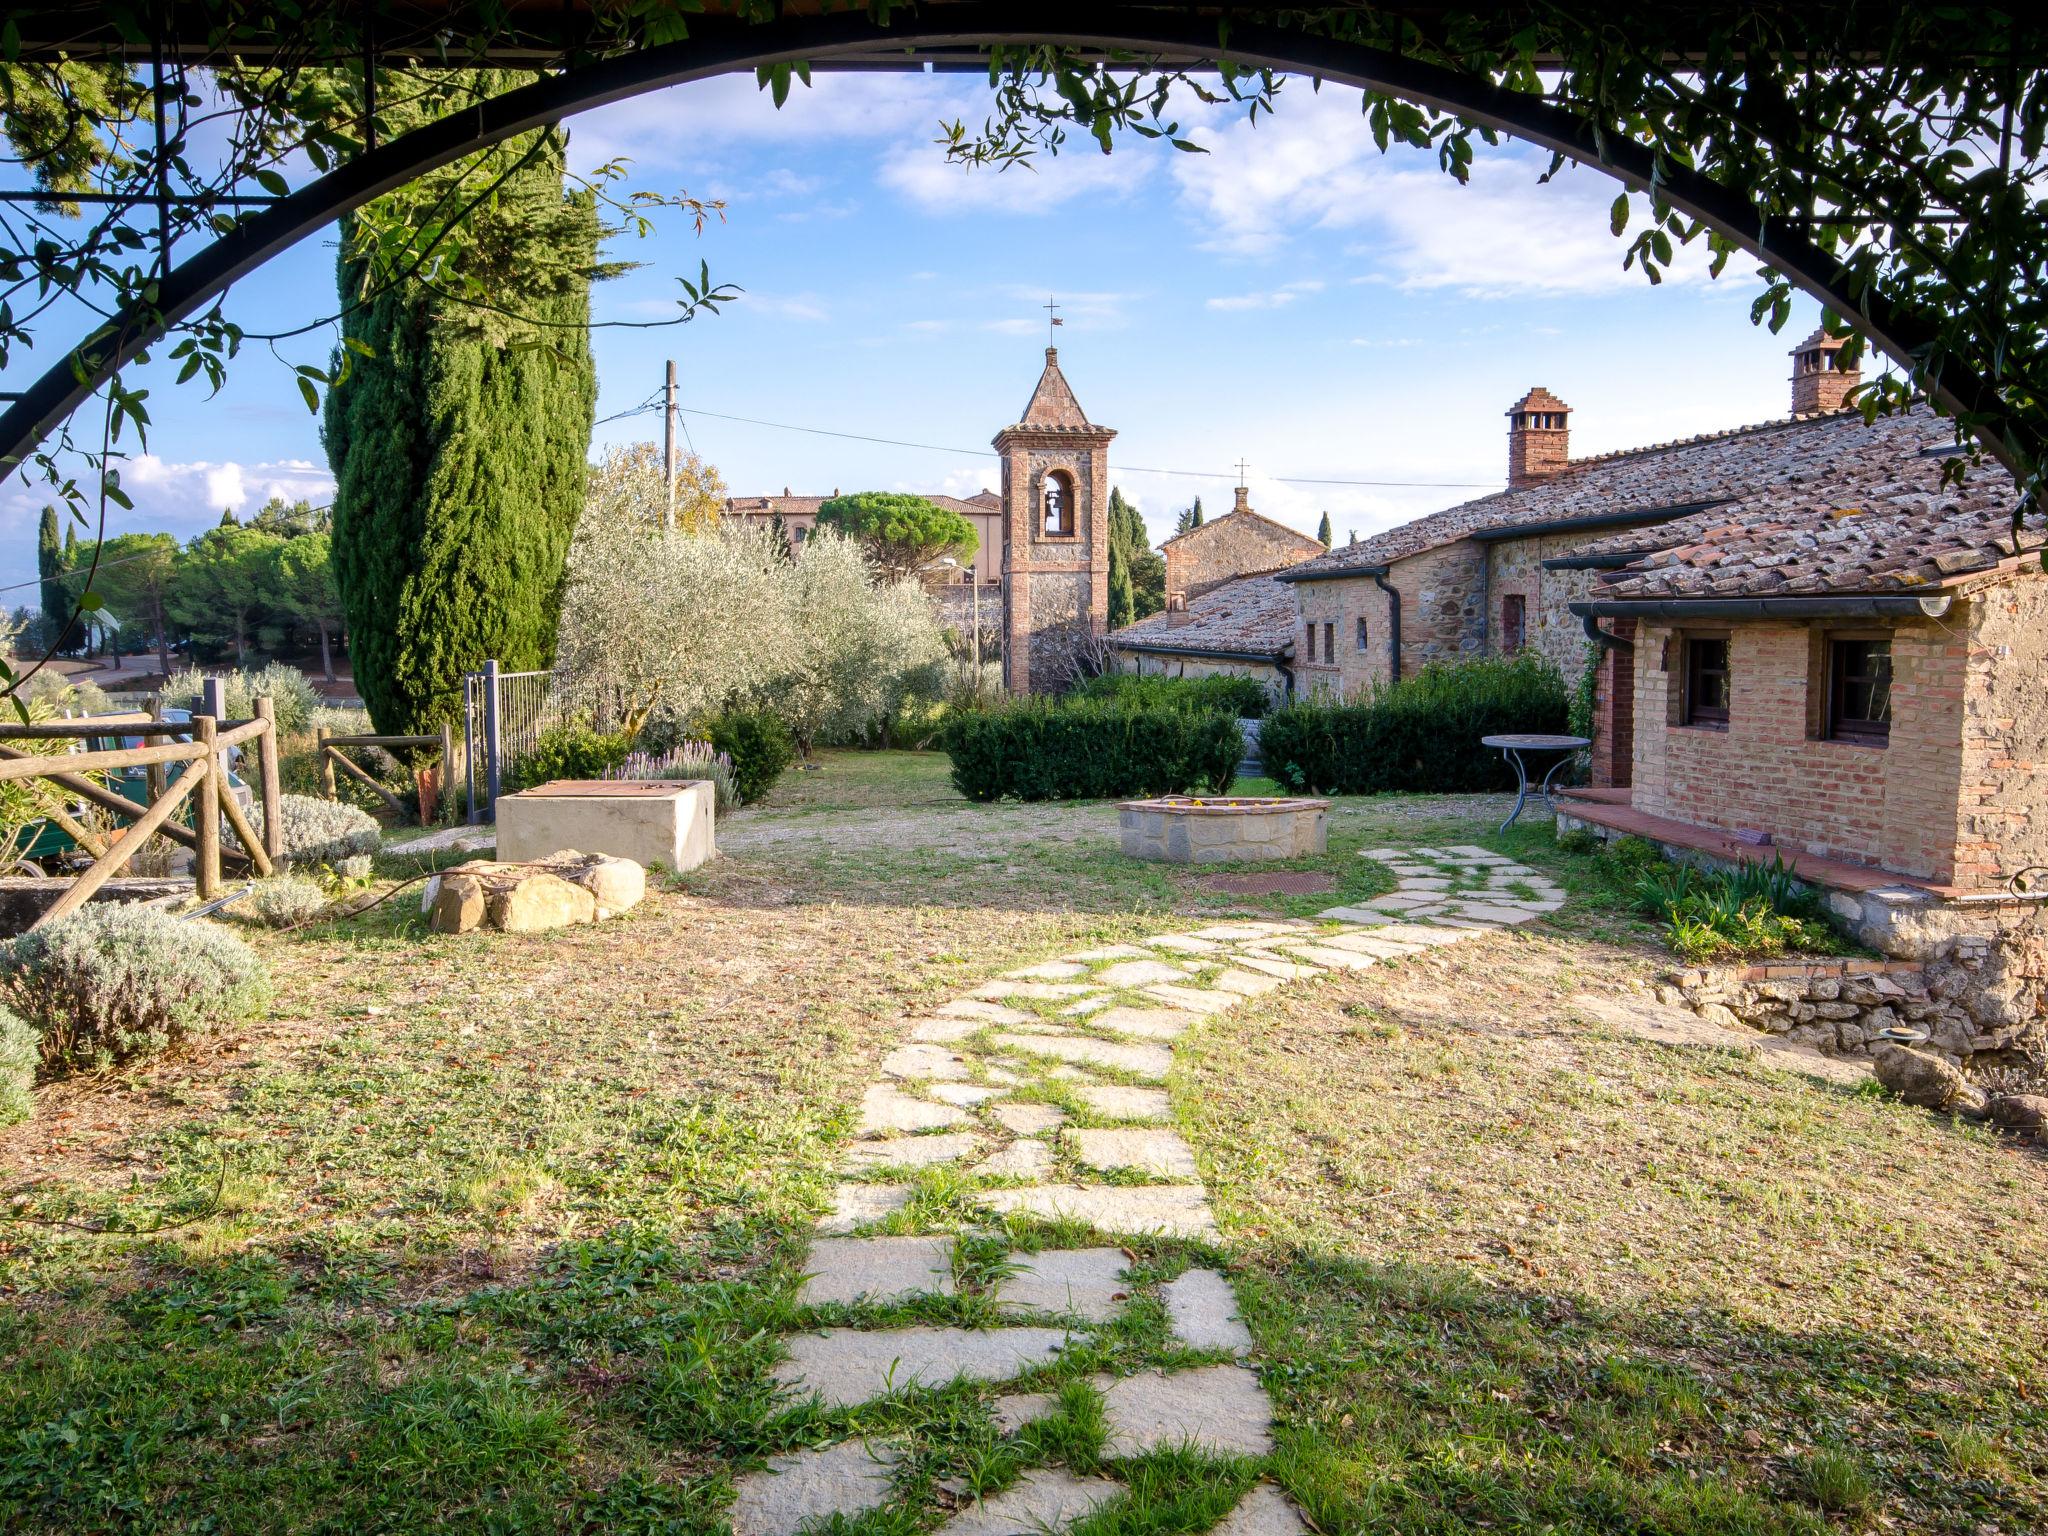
1512 748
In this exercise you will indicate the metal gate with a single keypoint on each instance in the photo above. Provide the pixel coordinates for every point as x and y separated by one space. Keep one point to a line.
503 715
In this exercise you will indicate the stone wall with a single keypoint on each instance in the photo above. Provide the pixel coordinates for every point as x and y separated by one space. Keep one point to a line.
1233 545
1148 664
2002 789
1516 567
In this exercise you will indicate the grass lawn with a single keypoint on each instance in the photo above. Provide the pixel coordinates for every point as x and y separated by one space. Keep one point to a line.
499 1233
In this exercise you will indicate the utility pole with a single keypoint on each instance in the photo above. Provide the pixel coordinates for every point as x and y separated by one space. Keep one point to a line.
668 447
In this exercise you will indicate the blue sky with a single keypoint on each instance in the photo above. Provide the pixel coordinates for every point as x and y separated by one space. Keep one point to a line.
1292 298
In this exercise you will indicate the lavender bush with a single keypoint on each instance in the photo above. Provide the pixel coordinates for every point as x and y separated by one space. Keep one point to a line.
686 760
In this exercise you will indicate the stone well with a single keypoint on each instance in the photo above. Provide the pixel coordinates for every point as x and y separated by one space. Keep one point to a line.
666 822
1221 829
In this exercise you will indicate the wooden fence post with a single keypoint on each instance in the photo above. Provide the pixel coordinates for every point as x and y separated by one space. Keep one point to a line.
320 736
207 871
154 773
268 784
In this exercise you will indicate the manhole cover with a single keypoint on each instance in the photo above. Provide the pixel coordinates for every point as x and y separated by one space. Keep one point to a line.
1280 883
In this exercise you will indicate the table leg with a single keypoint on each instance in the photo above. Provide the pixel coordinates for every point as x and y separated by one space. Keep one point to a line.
1549 798
1521 785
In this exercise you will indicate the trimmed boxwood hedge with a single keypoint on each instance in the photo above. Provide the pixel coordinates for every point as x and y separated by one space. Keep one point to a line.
1223 692
1091 750
1420 736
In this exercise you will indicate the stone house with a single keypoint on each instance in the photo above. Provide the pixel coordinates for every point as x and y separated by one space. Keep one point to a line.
1243 627
1242 542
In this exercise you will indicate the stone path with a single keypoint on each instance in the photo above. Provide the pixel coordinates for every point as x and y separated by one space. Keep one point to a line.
1040 1094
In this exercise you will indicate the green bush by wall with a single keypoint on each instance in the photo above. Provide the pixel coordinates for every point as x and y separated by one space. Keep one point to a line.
759 745
1244 697
1091 749
1421 735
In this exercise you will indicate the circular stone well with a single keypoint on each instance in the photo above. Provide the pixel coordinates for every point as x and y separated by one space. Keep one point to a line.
1222 829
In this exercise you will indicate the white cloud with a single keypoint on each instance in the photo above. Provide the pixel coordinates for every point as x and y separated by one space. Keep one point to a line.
1012 327
789 306
179 497
1274 298
921 174
928 325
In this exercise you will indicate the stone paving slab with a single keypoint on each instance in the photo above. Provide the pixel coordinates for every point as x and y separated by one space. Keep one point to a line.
1039 1503
1193 999
1220 1410
965 1094
1265 1511
1337 959
1281 970
1484 912
1176 1210
1140 1060
1149 1023
943 1031
844 1367
1203 1313
1160 1153
1087 1283
855 1204
847 1269
1184 944
1019 1160
887 1108
1048 970
794 1491
987 1012
1035 991
1369 944
1087 1005
1245 983
1111 952
924 1061
1364 916
1115 1101
1012 1413
1417 933
907 1151
1138 973
1030 1119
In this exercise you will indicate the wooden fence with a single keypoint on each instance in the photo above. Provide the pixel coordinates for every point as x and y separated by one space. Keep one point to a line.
332 756
201 778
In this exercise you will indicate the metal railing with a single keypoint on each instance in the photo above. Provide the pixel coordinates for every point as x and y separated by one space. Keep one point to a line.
504 714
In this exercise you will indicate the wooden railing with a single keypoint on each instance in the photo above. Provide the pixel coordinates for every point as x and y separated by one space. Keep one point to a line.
333 755
201 778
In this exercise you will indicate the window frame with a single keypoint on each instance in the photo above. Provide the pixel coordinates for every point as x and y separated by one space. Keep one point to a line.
1520 608
1364 635
1068 492
1330 640
1309 629
1834 683
1708 717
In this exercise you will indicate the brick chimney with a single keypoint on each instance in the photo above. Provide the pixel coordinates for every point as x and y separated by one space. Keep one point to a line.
1539 438
1243 500
1819 380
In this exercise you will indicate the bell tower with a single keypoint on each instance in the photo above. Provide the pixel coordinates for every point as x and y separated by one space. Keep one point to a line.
1055 534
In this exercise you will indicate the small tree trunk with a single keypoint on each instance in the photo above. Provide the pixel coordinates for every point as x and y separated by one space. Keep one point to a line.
326 651
163 641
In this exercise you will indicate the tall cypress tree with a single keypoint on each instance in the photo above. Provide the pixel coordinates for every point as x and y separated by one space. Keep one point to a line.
56 602
1130 551
1323 532
458 445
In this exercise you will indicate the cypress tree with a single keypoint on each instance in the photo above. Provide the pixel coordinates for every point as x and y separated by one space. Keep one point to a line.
1323 532
458 445
1131 552
56 601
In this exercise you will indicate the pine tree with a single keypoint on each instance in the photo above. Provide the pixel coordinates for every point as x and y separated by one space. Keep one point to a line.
50 564
459 459
1323 532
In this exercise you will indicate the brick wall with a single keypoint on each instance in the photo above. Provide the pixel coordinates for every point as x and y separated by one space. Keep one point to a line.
1229 547
1893 806
2002 793
1614 711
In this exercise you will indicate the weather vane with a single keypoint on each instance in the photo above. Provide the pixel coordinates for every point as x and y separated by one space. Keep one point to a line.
1052 313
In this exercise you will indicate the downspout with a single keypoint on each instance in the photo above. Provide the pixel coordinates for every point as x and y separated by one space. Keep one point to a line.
1601 637
1286 675
1379 579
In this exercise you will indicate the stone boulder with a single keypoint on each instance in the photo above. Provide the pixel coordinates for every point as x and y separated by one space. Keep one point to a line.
1927 1080
554 892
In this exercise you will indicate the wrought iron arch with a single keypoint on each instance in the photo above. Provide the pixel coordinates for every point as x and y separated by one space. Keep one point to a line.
719 47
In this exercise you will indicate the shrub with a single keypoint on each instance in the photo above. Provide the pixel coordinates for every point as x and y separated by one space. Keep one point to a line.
1245 697
118 981
324 833
17 1068
759 745
1089 750
687 760
292 696
575 751
283 901
1420 735
1753 909
63 695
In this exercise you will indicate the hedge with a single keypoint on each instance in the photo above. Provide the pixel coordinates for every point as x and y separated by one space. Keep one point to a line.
1419 736
1245 697
1090 750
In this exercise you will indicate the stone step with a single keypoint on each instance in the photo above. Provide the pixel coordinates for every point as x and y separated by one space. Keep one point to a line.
844 1367
1174 1210
1203 1313
877 1269
1219 1410
1160 1153
1048 1500
1087 1283
807 1487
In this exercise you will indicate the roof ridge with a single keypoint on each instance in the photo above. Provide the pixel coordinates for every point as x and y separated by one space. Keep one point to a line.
1223 517
1778 423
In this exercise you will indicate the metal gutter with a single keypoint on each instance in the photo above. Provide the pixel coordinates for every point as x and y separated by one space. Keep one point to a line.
1681 609
1612 562
1599 636
1206 653
1345 573
1634 518
1379 579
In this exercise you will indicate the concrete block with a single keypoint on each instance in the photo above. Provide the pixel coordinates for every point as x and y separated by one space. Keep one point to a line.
672 827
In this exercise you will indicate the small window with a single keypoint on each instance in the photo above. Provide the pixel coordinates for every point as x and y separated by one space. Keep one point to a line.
798 534
1329 642
1059 506
1362 636
1514 622
1860 691
1706 680
1309 629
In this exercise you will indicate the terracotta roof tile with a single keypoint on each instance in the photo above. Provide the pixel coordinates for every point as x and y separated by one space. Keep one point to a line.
1252 616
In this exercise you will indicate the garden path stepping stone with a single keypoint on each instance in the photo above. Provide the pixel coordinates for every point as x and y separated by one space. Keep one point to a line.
1370 944
1048 970
1192 1000
855 1204
1140 1060
1161 1153
794 1491
1283 970
1014 1412
992 1013
967 1094
1087 1283
1030 1119
1234 932
887 1108
1415 933
1019 1160
943 1031
1138 973
1476 854
1038 1503
1035 991
1220 1410
1265 1511
1203 1313
1184 944
1087 1005
1486 913
1176 1210
1114 1101
1245 983
1150 1023
1342 959
845 1269
1111 952
844 1367
908 1151
1369 917
915 1061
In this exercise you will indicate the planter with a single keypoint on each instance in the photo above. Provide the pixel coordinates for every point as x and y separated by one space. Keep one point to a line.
1223 829
652 822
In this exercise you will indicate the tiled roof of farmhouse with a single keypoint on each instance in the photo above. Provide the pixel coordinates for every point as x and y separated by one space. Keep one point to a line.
1251 616
1775 467
807 506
